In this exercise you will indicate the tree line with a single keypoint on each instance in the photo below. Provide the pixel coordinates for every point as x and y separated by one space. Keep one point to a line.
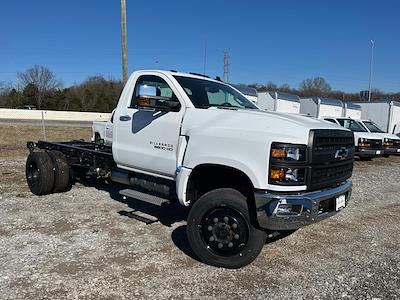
39 86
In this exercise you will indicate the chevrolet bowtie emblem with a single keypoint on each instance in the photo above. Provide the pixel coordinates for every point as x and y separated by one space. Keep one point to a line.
342 153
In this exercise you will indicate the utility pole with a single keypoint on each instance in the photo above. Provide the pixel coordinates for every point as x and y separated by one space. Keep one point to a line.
123 40
371 62
205 57
226 65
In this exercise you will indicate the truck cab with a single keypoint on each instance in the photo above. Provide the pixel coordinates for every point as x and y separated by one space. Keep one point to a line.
367 145
243 172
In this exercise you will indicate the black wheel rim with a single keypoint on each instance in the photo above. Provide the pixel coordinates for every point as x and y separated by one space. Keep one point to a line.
33 174
224 231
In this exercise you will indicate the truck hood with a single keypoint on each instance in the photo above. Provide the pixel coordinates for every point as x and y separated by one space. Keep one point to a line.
367 135
241 123
385 135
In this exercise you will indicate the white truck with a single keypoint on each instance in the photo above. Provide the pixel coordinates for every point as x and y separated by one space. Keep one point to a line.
279 102
367 145
391 142
321 107
103 130
242 171
386 114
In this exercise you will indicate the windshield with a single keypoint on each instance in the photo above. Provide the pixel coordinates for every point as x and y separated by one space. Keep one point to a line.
373 127
205 93
351 124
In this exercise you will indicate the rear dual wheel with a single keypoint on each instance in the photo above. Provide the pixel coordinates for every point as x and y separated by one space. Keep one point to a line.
220 232
47 172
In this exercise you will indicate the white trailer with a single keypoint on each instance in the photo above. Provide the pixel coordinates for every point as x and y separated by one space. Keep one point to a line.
321 107
352 110
386 114
249 92
279 102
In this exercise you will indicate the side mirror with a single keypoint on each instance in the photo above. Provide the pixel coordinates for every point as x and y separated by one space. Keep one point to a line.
147 97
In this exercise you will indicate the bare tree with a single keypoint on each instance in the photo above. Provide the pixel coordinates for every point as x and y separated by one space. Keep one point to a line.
316 86
42 78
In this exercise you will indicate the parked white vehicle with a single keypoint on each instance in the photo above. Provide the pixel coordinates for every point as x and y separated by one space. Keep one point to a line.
103 130
321 107
279 102
386 114
351 110
368 145
391 142
185 138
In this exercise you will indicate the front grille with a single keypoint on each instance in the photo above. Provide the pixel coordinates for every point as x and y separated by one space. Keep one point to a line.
331 157
374 144
330 174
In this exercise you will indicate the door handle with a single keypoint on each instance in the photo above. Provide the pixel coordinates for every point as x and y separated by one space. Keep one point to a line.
124 118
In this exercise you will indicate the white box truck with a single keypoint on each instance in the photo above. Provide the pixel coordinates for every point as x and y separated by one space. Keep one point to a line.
249 92
279 102
351 110
386 114
321 107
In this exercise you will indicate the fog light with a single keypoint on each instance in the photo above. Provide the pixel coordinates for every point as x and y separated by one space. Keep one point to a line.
289 209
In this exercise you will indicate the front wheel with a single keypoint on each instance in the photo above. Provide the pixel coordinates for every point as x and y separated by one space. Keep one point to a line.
220 232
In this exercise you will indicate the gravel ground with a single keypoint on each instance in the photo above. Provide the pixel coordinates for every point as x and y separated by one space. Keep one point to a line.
81 245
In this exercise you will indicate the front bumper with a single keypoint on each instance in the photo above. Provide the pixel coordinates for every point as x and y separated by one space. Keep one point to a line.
391 151
365 152
312 207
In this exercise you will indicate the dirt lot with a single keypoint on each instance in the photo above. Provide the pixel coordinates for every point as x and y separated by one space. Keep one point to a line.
81 245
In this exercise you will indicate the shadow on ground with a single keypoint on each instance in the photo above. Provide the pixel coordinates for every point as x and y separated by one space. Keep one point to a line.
166 215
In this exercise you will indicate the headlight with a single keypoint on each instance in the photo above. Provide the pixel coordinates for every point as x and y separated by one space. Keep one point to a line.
363 143
388 142
287 164
287 175
288 152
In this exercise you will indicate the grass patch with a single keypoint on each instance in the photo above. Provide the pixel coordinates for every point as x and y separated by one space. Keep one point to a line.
13 138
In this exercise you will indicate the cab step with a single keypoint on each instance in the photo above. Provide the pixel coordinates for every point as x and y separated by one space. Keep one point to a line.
144 197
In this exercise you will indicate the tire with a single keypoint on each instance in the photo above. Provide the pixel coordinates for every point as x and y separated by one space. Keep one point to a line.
213 235
385 155
62 176
39 173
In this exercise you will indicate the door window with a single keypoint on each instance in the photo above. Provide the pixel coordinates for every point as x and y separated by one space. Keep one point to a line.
154 86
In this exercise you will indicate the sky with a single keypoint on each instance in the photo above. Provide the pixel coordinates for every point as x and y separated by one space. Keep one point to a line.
282 41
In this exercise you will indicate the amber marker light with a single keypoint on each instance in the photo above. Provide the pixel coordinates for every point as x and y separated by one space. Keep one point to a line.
277 174
278 153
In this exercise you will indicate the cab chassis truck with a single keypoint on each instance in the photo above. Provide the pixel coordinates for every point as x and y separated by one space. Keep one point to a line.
188 138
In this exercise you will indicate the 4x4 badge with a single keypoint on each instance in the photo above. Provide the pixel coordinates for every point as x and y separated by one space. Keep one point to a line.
342 153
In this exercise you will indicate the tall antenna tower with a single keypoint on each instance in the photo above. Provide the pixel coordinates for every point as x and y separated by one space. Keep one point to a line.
226 65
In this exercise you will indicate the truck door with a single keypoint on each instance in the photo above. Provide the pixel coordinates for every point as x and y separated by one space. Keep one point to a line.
146 134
